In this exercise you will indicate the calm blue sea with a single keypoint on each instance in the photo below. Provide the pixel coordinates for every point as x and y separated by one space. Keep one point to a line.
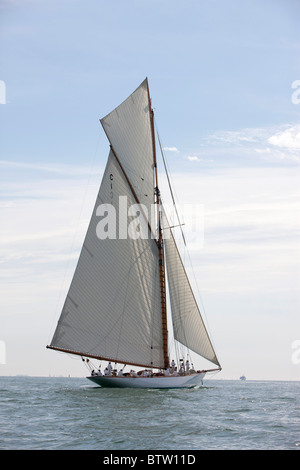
71 413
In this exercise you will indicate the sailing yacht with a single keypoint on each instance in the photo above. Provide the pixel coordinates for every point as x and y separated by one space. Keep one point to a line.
116 306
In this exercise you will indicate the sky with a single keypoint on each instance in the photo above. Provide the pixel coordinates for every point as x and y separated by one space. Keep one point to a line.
224 79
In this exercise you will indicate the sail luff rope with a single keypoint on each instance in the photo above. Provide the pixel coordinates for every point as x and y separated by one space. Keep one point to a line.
160 244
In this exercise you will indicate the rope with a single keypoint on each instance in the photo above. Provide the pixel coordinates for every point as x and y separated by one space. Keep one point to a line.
169 183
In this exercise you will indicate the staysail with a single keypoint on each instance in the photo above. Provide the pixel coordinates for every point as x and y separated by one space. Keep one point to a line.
113 310
188 325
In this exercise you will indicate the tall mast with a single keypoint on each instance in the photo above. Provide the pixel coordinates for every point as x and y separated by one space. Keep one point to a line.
160 245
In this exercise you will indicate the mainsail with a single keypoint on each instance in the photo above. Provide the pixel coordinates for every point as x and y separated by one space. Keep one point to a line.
115 308
112 310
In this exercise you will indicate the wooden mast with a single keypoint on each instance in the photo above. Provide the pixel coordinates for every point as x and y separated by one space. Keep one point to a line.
160 245
159 242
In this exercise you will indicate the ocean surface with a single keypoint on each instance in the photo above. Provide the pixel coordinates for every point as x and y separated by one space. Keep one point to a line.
39 413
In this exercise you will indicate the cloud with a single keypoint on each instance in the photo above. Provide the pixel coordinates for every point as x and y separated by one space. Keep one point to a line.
257 145
171 149
289 138
251 232
250 244
195 158
239 137
44 213
69 170
249 146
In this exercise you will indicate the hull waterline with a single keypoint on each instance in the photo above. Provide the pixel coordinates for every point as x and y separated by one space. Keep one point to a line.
185 381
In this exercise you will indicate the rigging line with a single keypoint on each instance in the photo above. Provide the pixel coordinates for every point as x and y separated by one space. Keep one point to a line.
186 248
203 312
171 191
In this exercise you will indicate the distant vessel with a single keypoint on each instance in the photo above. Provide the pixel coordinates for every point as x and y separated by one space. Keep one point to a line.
116 307
242 377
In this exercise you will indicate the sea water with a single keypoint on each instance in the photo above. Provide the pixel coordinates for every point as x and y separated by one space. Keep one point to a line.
72 413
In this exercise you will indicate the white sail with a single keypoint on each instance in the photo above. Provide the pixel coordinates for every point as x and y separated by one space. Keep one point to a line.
128 129
113 307
189 328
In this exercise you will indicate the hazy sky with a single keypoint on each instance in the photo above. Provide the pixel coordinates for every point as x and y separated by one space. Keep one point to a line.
225 85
